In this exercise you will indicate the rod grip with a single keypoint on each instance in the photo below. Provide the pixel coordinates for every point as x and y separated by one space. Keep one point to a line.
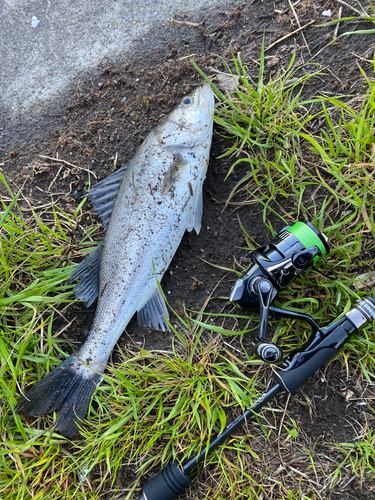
323 346
302 367
167 485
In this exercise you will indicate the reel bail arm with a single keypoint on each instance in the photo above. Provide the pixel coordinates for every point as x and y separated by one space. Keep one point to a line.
265 291
275 266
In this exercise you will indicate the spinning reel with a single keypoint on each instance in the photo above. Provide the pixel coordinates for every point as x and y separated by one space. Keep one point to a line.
293 250
274 267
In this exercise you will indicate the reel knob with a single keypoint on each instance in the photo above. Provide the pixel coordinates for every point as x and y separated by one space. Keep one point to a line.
268 352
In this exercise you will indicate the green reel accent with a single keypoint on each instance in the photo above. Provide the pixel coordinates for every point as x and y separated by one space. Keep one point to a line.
307 237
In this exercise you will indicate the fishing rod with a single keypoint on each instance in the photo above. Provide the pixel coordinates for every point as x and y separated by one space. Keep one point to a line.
275 266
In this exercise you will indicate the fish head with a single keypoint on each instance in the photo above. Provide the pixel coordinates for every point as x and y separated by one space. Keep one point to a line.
190 123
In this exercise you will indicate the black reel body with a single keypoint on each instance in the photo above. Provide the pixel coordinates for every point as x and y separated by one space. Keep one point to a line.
275 266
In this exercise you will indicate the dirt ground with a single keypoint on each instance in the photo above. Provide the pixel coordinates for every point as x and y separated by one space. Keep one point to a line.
104 120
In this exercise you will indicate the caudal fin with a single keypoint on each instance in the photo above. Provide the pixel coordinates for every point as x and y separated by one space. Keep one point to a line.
68 390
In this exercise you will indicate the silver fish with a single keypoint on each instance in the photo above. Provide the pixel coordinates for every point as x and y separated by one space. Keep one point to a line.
145 207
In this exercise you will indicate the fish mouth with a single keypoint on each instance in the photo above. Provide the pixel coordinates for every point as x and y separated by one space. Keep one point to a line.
206 98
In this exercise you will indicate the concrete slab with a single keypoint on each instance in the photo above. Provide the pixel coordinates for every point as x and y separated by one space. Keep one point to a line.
47 46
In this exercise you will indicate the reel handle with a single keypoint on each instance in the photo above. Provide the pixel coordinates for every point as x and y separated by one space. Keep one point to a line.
264 289
270 352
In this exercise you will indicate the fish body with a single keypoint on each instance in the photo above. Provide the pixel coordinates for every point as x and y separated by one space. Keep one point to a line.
145 208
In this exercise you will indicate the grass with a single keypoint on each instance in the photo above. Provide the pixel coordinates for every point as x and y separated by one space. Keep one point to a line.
33 295
263 118
363 15
359 456
156 405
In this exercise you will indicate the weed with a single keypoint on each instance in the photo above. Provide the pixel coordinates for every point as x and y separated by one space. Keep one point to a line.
33 295
363 15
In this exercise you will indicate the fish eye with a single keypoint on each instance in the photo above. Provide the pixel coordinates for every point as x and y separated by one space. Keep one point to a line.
187 101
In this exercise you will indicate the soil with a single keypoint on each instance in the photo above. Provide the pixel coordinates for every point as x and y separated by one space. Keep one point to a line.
109 114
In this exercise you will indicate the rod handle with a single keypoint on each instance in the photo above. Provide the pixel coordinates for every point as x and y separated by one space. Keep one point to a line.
167 485
322 347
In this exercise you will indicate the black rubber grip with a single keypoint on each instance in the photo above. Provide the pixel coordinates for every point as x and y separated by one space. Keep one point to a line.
323 346
166 485
302 367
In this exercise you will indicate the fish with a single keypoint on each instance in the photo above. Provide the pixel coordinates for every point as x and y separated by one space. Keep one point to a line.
145 207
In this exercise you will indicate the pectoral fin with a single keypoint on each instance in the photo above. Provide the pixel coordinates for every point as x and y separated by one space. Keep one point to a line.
196 211
153 312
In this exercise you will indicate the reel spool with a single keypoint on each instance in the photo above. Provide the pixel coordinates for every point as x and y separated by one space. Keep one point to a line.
293 250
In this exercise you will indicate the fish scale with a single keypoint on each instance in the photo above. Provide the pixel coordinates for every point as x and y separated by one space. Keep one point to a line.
145 207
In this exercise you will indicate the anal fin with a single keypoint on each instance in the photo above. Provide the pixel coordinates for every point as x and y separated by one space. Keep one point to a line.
153 312
87 272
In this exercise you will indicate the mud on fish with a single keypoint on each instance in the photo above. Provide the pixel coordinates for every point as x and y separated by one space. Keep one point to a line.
145 207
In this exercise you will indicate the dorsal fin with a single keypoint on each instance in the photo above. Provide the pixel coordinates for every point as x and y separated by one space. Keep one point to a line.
103 195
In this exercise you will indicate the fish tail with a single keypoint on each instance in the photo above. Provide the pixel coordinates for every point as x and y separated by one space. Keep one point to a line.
67 389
